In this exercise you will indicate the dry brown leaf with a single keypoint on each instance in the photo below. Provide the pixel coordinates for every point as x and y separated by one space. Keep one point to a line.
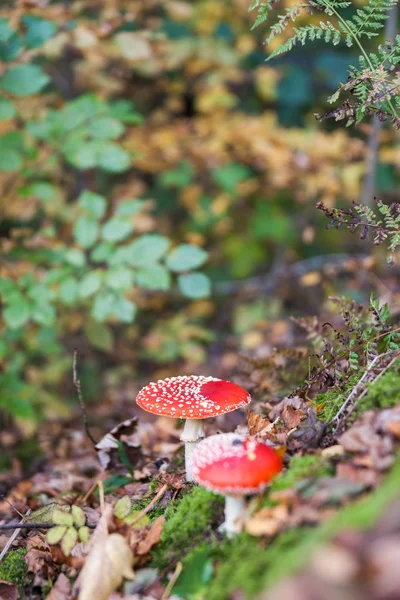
61 590
126 434
267 521
8 591
256 423
292 417
153 536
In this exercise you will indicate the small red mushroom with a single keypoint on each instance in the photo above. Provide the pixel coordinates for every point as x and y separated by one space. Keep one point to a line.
193 398
234 466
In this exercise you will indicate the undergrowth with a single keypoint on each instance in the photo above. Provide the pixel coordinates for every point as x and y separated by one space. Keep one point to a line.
187 524
248 565
13 567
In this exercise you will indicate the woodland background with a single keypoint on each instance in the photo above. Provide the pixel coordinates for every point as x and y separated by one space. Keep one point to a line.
158 191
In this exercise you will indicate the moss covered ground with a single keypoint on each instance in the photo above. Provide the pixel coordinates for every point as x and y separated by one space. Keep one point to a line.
13 568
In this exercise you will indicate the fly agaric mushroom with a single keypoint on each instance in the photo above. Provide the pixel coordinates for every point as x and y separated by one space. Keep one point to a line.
193 398
234 466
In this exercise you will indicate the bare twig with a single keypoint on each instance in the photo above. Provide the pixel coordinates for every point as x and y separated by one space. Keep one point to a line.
172 581
32 525
156 498
77 384
356 389
14 535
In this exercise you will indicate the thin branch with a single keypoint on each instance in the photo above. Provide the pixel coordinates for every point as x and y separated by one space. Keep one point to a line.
32 525
77 384
361 382
156 498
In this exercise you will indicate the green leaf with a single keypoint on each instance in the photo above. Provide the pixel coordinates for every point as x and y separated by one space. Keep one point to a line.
128 208
90 283
99 335
38 31
147 249
7 109
75 257
124 111
55 534
116 230
102 252
69 540
18 313
120 278
194 285
103 306
5 30
86 231
94 204
84 535
113 158
78 515
124 310
196 574
82 155
61 517
68 291
229 176
44 313
40 189
24 80
153 277
186 257
116 481
122 507
105 128
11 160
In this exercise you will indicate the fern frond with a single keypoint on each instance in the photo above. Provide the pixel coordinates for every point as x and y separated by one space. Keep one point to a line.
369 19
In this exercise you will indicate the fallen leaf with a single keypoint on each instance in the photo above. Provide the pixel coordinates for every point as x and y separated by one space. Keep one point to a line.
108 563
267 521
109 560
61 590
255 422
125 433
292 417
153 537
8 591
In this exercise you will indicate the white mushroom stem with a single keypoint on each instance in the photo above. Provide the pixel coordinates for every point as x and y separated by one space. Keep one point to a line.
193 432
235 509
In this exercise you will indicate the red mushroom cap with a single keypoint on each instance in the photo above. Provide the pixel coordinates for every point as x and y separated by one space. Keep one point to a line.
233 464
192 397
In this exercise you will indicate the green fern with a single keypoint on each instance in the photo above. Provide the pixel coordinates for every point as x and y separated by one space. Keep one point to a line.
372 83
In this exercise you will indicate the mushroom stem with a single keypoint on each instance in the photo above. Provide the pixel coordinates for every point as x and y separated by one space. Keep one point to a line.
193 432
234 511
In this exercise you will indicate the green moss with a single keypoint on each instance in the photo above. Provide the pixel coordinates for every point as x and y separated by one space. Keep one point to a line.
301 467
13 567
384 393
332 400
249 565
187 524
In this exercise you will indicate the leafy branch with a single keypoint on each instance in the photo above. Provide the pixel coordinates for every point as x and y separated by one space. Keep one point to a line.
361 218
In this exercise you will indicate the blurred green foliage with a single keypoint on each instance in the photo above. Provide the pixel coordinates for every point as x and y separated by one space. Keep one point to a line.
144 154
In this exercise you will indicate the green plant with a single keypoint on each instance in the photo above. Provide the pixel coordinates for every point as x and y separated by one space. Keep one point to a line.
372 83
341 357
78 252
384 225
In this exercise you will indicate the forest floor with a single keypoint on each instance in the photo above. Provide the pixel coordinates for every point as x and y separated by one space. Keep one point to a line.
328 520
